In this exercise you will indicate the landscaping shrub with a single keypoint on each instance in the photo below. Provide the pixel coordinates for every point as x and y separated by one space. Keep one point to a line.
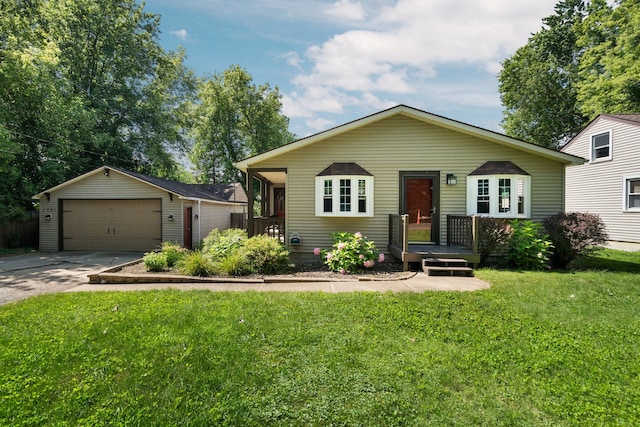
493 234
574 234
234 264
265 254
526 248
173 253
351 252
195 264
219 244
155 261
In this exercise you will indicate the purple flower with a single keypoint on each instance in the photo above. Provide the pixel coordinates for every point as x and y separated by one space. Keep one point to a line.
316 251
381 258
358 235
368 264
343 271
329 255
361 256
341 246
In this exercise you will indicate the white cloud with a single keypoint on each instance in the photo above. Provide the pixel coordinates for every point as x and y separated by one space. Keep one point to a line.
293 59
346 10
180 34
398 51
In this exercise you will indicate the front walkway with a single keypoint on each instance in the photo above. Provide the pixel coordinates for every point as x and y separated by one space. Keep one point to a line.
418 283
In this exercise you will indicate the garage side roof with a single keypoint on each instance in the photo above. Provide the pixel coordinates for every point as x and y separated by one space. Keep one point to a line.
221 193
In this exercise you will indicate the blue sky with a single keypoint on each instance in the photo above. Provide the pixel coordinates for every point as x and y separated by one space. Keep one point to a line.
338 60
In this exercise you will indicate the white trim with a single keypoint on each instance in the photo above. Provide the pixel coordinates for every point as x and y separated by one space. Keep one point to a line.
494 211
625 193
592 158
335 211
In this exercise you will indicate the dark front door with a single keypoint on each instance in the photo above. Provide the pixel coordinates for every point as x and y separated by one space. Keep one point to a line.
420 203
187 228
278 195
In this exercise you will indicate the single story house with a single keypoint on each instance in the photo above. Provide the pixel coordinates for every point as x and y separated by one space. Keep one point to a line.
410 181
609 183
112 209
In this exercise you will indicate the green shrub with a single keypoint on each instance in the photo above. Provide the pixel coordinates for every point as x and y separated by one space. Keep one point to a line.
219 244
574 234
155 261
234 264
195 264
265 254
526 248
351 252
173 252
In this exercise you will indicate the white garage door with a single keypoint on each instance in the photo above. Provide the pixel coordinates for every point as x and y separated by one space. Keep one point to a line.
111 225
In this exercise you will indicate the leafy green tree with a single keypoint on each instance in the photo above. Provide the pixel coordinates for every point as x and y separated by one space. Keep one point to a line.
610 66
235 119
538 83
84 83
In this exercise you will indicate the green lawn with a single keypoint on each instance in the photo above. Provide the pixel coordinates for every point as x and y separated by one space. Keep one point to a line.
535 349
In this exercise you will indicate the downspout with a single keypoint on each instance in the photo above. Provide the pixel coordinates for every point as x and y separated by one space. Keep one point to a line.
199 221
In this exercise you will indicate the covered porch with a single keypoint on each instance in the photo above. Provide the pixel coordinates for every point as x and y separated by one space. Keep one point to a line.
266 208
462 241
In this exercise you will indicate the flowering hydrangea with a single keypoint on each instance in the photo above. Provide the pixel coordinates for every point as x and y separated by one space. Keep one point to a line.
350 252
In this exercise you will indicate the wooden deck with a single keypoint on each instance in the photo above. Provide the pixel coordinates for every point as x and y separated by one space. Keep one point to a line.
418 252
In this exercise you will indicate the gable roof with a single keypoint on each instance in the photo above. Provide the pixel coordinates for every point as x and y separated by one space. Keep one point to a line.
344 169
423 116
221 193
630 119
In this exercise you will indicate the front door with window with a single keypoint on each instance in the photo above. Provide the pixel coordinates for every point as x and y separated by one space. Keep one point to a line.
420 203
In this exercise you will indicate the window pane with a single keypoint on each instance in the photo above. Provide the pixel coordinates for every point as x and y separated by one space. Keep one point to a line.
345 195
362 196
634 201
520 196
328 195
601 145
504 195
634 186
483 196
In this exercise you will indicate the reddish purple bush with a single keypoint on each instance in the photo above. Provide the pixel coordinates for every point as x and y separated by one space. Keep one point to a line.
574 234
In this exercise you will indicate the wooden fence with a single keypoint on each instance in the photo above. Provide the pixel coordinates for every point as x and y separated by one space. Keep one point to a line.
20 234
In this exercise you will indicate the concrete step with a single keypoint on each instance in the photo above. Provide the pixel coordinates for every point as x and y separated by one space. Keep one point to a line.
448 271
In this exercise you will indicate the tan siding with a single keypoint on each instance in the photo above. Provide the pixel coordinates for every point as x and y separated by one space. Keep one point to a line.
599 187
388 147
212 215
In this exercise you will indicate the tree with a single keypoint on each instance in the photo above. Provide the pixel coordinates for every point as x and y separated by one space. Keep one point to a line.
538 83
610 66
235 119
85 83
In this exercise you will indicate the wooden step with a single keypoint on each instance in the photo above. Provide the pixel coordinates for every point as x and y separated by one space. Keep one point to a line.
448 271
444 262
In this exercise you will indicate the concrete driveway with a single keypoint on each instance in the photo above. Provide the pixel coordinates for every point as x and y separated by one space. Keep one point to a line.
23 276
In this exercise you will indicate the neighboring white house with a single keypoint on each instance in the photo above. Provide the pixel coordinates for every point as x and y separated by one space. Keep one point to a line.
608 184
113 209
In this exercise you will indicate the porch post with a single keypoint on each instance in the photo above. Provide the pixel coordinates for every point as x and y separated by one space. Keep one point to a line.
250 200
475 229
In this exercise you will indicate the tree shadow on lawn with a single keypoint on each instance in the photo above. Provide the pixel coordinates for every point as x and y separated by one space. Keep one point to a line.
623 263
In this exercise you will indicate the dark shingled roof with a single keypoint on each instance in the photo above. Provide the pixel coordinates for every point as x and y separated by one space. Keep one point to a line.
627 117
229 193
344 169
498 168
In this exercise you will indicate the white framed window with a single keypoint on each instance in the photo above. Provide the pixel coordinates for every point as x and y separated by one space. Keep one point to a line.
601 148
632 194
499 196
340 195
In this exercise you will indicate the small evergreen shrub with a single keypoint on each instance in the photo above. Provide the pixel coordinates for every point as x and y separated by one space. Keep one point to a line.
234 264
155 261
173 252
219 244
265 254
574 234
526 247
195 264
351 252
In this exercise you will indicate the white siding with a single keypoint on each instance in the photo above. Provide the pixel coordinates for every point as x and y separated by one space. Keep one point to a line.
387 147
599 187
212 215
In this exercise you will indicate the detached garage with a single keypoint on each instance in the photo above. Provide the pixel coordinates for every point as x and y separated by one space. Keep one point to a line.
111 209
